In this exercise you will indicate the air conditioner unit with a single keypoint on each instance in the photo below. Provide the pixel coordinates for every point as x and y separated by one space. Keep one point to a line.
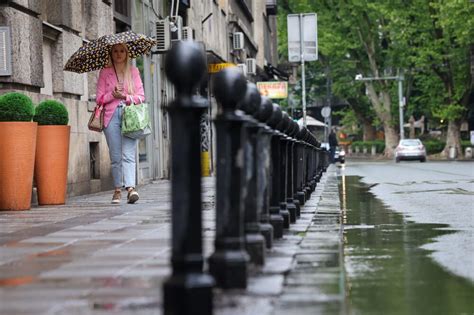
163 36
243 68
176 28
188 33
251 64
238 41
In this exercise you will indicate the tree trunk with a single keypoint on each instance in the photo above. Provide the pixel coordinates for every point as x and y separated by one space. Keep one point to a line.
368 131
391 140
453 138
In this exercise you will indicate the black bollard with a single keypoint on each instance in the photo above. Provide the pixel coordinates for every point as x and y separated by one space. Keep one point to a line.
228 264
293 207
188 288
254 240
263 165
299 167
276 219
285 209
294 168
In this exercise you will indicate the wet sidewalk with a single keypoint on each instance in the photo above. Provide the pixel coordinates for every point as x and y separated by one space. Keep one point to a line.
92 257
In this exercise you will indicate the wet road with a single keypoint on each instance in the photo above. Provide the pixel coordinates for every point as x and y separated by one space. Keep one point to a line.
434 193
387 270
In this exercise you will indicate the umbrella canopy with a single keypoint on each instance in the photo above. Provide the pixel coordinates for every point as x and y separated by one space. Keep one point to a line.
94 55
310 121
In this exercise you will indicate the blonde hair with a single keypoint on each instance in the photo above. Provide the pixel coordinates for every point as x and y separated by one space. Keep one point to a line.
127 75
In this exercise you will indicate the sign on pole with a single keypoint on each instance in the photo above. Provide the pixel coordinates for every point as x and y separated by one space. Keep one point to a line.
302 28
326 111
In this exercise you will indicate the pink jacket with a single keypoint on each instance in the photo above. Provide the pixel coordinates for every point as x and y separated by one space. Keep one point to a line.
105 86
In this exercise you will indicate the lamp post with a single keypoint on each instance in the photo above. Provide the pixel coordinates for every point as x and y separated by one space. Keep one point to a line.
401 102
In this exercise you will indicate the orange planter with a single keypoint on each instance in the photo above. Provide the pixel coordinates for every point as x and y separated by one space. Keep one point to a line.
51 164
17 158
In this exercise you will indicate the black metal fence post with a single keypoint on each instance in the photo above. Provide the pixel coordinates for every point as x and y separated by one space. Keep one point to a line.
188 288
276 219
300 165
254 240
285 210
263 166
291 202
228 264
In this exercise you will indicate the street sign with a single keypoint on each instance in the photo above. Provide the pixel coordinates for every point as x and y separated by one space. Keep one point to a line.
302 31
326 111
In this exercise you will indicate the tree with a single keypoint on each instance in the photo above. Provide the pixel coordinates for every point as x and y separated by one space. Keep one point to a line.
434 38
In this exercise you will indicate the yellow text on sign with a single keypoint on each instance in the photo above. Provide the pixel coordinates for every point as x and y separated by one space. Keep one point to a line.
216 67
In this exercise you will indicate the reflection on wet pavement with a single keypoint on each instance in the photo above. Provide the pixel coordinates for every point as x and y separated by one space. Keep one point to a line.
85 258
386 270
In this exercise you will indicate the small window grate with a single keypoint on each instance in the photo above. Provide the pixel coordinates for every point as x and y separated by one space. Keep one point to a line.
5 51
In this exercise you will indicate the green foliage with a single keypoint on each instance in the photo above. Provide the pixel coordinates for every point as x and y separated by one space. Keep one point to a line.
379 145
429 40
450 112
51 112
434 146
16 106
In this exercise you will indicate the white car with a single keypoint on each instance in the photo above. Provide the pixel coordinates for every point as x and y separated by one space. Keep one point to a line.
410 149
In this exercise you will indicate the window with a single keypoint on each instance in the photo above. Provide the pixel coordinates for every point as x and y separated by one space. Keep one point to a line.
47 68
122 15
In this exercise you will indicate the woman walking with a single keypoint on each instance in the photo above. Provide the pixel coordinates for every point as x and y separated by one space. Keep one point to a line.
120 85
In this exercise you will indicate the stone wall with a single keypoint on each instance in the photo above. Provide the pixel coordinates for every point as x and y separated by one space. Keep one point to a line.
210 32
72 22
26 48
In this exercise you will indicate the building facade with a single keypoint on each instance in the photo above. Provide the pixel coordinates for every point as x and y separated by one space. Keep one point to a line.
38 37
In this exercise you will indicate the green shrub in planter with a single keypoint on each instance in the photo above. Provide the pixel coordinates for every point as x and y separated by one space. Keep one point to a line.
16 106
51 112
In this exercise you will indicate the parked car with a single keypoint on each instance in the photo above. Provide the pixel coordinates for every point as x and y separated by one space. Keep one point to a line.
410 149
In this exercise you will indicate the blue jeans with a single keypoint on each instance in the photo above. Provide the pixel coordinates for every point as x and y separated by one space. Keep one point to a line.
122 151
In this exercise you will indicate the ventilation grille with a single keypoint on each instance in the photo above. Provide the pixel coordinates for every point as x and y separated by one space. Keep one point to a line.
188 33
251 64
163 35
5 51
238 41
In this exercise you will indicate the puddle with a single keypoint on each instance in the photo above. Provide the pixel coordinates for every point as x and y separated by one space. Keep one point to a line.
387 271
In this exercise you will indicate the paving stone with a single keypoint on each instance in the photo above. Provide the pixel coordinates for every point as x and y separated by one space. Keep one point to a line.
89 257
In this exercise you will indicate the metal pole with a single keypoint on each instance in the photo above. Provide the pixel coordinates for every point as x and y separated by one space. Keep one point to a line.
303 79
400 103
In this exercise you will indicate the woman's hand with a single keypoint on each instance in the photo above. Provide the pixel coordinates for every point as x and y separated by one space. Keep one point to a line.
118 93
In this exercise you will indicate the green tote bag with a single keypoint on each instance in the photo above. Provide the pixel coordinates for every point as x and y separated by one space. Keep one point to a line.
136 121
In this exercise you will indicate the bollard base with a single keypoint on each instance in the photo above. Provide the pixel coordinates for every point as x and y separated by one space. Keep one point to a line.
255 246
291 207
276 220
229 269
300 196
307 193
298 208
185 293
267 231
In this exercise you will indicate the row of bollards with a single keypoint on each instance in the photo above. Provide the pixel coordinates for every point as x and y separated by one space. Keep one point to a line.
267 166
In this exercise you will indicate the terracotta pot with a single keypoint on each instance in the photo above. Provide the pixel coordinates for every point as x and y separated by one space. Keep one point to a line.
51 164
17 158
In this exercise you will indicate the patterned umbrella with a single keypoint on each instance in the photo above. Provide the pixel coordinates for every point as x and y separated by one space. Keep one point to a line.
94 55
